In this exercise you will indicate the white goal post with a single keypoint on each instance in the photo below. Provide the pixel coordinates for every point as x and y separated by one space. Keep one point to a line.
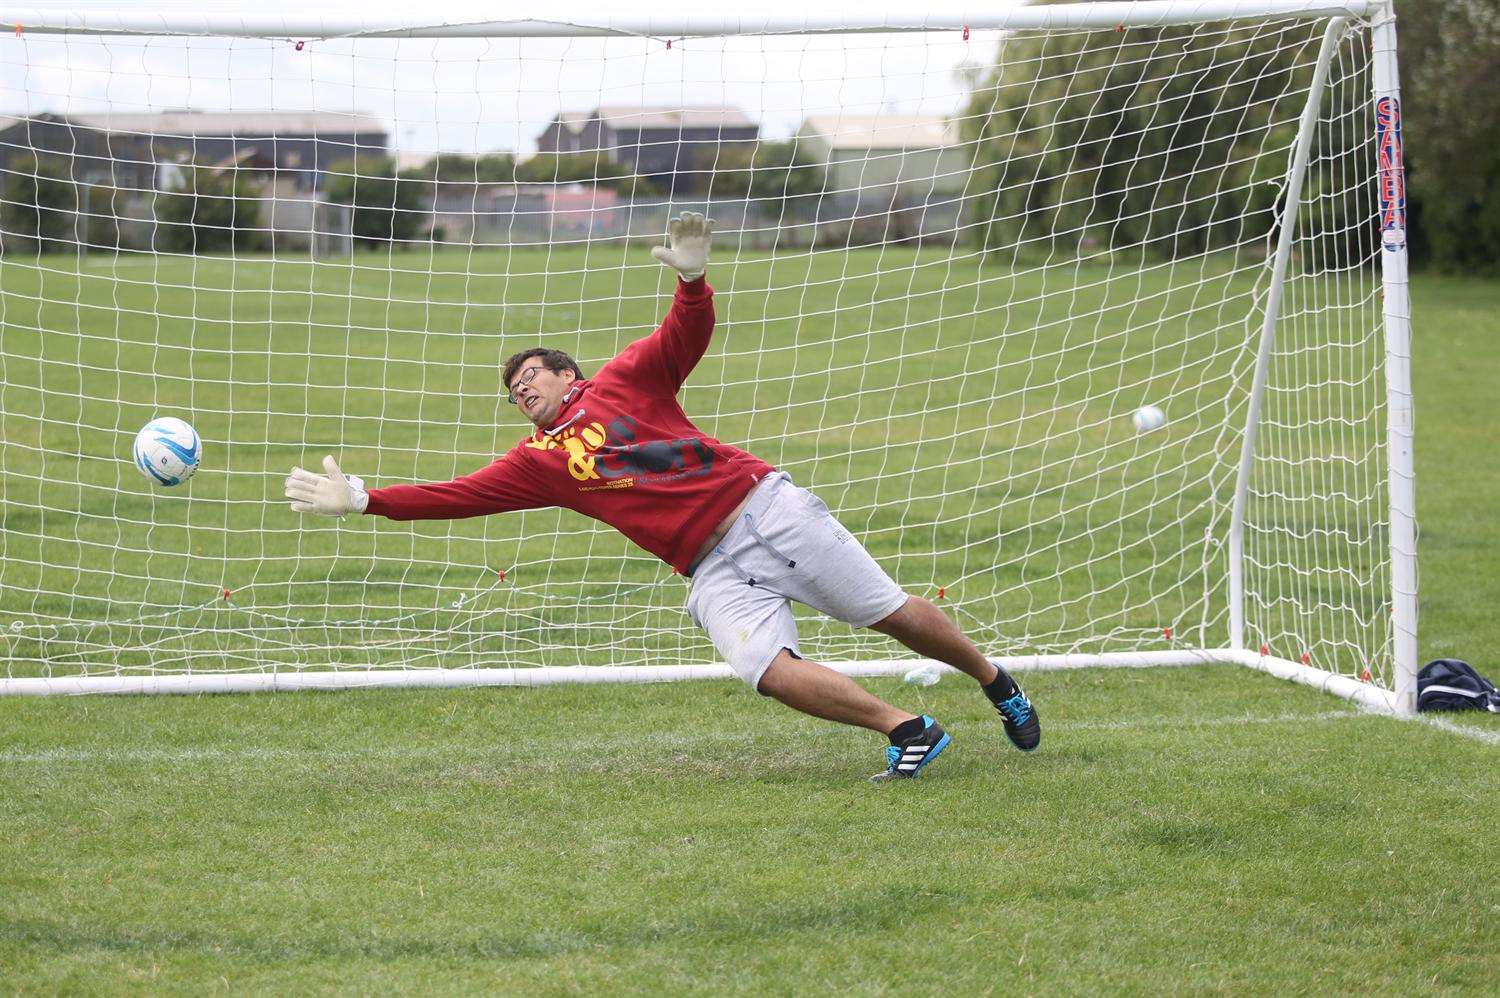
956 253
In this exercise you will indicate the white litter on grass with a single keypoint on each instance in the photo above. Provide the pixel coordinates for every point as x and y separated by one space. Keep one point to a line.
924 675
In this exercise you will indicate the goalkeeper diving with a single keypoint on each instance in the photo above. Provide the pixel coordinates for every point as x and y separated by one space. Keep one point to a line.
619 448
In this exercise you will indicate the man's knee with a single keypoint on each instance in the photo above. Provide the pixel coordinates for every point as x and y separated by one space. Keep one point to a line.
902 617
772 682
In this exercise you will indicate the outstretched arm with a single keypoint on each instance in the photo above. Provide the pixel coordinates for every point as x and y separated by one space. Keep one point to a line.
500 487
663 360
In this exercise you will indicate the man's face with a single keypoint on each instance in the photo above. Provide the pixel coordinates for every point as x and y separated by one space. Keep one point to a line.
539 392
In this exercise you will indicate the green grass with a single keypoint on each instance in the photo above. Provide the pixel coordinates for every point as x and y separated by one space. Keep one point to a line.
970 423
1192 830
1180 830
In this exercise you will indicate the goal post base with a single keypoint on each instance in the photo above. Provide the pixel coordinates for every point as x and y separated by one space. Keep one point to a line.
1365 694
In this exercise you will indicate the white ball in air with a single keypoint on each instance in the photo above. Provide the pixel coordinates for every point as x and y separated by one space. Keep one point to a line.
1148 418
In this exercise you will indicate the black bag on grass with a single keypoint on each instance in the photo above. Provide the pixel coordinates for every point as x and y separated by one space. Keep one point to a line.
1448 684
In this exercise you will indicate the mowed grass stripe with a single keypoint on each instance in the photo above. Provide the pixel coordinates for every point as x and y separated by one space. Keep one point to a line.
696 837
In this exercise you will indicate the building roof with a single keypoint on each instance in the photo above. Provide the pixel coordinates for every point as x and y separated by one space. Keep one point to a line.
410 160
671 117
232 123
573 121
881 131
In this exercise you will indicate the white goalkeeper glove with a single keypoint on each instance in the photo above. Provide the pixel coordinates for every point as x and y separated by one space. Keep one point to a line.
332 494
686 251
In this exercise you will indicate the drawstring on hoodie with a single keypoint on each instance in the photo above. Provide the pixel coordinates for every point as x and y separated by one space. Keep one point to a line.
745 576
564 424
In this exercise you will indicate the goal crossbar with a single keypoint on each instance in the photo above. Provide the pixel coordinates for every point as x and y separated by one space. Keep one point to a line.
604 21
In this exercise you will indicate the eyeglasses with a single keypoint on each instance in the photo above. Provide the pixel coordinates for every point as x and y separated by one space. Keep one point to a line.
525 379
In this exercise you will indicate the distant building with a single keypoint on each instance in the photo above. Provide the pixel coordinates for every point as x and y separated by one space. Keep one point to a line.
880 158
565 133
891 178
503 214
674 148
135 151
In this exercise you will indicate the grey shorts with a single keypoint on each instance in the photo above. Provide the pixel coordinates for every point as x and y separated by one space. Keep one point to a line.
784 546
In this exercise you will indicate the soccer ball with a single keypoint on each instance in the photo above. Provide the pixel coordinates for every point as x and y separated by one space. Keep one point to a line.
1148 418
167 451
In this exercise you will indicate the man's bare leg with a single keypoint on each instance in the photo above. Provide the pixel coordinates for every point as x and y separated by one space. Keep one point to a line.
818 690
927 631
930 633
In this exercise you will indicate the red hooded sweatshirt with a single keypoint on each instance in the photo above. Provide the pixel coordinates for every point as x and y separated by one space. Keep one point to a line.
620 450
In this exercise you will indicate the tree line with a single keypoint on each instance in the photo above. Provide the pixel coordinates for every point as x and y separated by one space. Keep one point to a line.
215 208
1087 141
1078 142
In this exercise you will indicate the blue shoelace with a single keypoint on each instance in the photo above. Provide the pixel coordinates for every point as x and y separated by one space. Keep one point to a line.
1016 710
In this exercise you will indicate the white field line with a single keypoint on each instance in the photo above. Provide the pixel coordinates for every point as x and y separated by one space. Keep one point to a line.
1478 734
1233 720
415 753
412 753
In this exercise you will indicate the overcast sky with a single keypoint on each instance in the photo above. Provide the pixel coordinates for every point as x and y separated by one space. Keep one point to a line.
468 95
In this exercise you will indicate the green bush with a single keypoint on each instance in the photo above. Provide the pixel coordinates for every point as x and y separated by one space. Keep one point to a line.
39 210
1071 152
491 168
387 209
584 167
1450 58
104 206
769 172
1083 144
210 210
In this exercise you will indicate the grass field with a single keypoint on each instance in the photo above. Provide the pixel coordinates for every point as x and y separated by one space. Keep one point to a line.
969 422
1184 831
1180 830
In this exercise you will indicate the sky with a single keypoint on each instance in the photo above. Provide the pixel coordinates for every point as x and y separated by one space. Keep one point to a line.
480 95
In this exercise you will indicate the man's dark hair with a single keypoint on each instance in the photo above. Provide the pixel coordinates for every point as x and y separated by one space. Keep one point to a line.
553 360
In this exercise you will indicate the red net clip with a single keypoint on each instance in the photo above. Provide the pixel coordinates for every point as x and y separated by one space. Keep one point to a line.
1364 674
942 591
1119 28
1167 633
669 43
18 31
299 46
226 594
1306 658
966 32
1265 650
502 575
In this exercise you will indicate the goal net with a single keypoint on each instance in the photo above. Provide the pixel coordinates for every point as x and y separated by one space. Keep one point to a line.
952 261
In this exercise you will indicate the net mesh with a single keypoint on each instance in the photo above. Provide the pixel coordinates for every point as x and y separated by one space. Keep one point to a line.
948 270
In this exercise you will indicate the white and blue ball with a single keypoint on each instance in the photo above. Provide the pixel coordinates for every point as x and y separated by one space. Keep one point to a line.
1148 418
168 451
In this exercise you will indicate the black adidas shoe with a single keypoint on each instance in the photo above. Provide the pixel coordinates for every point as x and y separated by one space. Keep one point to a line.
906 760
1017 711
